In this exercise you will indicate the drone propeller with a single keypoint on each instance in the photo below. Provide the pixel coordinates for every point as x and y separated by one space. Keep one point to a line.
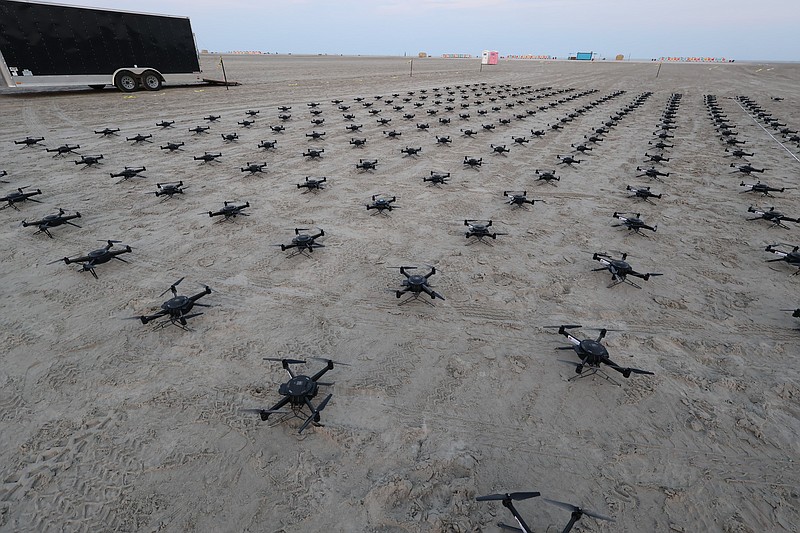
171 287
315 413
566 326
576 509
325 359
287 361
627 371
516 496
403 267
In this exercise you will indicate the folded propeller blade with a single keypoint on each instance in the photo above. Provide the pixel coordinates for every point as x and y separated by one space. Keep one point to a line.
575 508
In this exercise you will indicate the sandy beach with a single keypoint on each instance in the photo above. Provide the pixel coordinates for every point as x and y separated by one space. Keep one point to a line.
107 424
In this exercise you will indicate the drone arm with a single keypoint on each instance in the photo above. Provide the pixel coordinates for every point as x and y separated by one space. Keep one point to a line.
283 401
576 515
510 506
322 372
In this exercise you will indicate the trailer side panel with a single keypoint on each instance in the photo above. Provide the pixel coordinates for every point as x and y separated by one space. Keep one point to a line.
53 40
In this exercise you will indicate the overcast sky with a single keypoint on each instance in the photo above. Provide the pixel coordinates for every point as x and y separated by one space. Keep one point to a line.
735 29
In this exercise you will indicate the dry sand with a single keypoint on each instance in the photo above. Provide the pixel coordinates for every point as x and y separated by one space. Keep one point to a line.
110 425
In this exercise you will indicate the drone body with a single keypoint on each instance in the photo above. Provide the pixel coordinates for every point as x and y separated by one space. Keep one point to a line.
128 173
437 178
480 230
208 157
303 242
548 176
19 196
169 189
382 203
634 223
139 138
314 153
252 168
230 210
367 164
165 123
200 129
313 184
89 160
98 257
177 310
791 257
620 269
298 393
172 146
416 285
642 193
592 354
52 221
519 198
771 215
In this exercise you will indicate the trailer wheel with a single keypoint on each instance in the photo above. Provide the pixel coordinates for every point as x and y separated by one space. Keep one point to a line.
125 81
98 87
151 81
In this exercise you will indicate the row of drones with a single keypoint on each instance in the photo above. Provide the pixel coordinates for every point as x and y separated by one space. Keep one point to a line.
787 253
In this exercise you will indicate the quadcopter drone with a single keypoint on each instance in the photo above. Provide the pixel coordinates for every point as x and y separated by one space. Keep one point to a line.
747 169
416 285
169 189
634 223
165 123
252 113
252 168
520 140
519 199
582 148
367 164
393 134
229 137
107 131
315 135
592 353
651 172
314 153
568 160
51 221
139 138
208 157
548 176
199 129
89 160
284 117
763 188
643 193
499 149
739 153
230 210
128 173
382 203
423 126
277 129
353 127
177 309
508 500
19 196
655 158
63 150
267 145
97 257
298 393
443 139
468 132
211 118
480 230
771 215
246 123
437 178
358 143
313 184
29 141
410 151
173 146
473 162
303 242
791 257
619 269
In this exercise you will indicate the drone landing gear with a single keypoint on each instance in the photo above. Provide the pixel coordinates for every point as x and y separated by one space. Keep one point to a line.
591 372
416 296
481 240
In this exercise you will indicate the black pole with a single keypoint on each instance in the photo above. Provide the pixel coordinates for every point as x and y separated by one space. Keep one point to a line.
659 69
411 74
224 76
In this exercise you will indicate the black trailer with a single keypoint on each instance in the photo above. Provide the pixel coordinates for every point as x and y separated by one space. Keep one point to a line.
49 45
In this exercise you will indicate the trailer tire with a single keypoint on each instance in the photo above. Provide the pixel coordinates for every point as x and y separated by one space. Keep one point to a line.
126 81
151 80
98 87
